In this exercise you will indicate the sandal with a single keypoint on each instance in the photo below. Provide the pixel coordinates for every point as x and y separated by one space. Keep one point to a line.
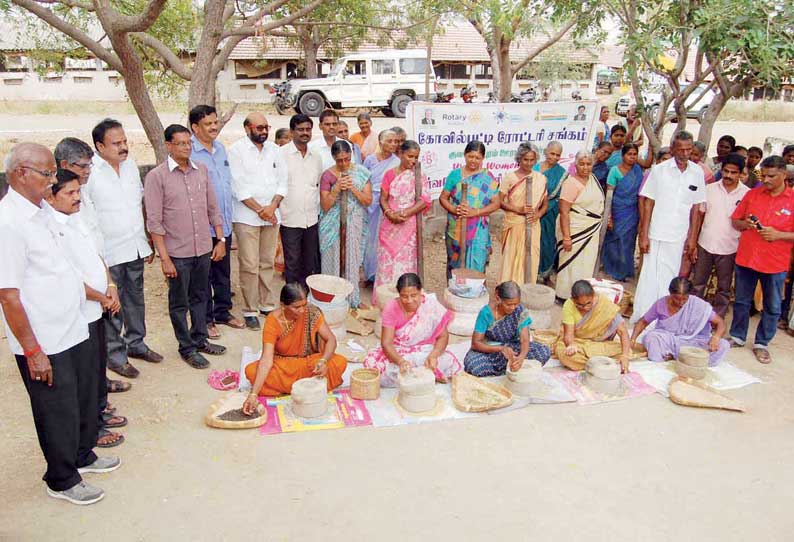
108 439
212 349
212 332
114 421
118 386
234 323
762 355
110 409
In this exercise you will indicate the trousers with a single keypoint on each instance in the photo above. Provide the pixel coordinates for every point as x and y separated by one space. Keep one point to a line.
127 329
187 293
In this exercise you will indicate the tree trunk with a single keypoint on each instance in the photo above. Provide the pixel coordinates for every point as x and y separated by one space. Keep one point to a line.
309 39
202 84
505 75
710 117
138 93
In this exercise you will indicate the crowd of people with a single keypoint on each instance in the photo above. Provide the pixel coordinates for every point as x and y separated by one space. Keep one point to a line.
79 225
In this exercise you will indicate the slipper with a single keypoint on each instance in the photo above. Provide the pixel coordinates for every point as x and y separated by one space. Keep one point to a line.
789 331
212 349
108 439
234 323
762 355
114 421
118 386
734 343
212 332
109 409
782 324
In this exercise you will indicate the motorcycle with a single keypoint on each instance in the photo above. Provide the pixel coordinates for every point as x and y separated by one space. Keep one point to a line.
576 95
443 97
280 98
526 96
468 94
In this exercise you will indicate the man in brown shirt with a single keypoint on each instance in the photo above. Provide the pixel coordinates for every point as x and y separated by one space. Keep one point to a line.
180 202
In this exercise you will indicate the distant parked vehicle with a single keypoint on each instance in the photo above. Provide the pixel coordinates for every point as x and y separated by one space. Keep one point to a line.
607 79
527 95
468 94
386 80
576 95
444 97
696 104
279 90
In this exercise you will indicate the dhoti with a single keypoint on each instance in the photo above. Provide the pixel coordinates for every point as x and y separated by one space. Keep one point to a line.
659 267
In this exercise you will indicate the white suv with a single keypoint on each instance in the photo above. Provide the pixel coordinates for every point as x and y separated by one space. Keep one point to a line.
386 80
696 103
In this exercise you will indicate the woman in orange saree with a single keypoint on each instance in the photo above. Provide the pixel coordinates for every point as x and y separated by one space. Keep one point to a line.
296 343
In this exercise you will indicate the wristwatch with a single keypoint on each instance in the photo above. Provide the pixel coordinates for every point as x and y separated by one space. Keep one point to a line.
222 240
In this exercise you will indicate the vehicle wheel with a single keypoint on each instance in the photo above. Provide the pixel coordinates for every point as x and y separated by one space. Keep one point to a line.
387 112
398 105
654 112
280 108
312 104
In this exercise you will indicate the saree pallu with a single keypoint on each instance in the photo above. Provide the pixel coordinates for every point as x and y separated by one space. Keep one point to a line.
482 187
688 327
377 169
355 234
297 348
514 229
593 335
619 242
397 243
548 223
505 332
414 341
586 214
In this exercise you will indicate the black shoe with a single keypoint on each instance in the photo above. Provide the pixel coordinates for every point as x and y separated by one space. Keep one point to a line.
252 322
196 360
150 355
126 370
212 349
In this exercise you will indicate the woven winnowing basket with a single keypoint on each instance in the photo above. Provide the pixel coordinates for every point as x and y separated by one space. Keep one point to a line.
365 384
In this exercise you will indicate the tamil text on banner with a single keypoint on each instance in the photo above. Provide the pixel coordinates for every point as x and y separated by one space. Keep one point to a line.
443 130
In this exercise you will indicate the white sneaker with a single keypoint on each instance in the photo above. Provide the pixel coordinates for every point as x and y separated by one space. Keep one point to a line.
80 494
102 464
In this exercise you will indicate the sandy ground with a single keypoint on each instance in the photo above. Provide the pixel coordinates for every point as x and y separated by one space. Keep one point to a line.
643 469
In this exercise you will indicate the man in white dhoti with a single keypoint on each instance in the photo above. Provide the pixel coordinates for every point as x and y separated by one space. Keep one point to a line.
672 191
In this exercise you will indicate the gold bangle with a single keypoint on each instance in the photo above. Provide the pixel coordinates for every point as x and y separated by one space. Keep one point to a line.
112 285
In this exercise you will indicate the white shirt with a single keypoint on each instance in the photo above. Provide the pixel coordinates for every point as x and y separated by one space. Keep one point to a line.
258 174
35 262
86 259
324 150
89 222
118 200
674 193
301 206
717 235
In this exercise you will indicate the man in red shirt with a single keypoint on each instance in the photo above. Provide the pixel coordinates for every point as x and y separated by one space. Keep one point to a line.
766 219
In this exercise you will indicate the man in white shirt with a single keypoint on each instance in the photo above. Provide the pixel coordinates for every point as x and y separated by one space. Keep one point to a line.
101 293
300 209
41 294
329 123
259 182
672 193
718 240
115 189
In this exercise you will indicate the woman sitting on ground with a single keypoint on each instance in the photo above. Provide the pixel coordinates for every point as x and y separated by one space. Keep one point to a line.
296 343
414 334
682 320
502 337
590 322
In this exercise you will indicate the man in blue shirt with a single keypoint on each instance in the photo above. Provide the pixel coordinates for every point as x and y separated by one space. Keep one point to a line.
210 152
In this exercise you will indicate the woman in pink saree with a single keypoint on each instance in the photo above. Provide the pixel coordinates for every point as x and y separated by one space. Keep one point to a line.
414 334
397 243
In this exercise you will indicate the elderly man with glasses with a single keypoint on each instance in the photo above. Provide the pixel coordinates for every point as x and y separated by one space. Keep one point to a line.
41 295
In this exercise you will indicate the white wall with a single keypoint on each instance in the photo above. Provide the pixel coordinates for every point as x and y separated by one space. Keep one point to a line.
70 85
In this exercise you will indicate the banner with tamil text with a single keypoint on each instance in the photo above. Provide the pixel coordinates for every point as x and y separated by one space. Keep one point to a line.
443 130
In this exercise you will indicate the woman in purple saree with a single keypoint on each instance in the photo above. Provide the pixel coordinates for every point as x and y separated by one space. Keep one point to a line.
681 320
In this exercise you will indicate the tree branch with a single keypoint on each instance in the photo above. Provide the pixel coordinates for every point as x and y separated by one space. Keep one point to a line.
122 23
165 53
554 38
46 15
251 26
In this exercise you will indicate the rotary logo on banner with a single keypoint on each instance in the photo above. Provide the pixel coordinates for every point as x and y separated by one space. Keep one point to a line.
443 130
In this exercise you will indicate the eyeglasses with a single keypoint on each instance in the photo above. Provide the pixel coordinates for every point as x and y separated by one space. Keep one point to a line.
47 174
84 165
262 127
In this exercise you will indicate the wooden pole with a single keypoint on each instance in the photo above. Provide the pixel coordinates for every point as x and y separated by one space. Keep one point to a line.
420 245
528 256
343 228
463 224
603 232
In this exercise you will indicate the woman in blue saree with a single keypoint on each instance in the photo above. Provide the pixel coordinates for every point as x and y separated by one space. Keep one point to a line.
624 180
501 336
378 163
554 173
482 199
